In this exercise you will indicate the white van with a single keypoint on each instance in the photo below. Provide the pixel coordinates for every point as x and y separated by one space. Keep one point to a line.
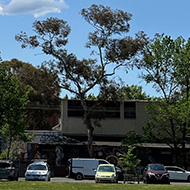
80 168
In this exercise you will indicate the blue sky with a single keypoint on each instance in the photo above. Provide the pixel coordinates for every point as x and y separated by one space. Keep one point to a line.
171 17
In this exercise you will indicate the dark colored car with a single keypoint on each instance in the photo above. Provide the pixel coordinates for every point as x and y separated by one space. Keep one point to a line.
155 173
8 170
119 174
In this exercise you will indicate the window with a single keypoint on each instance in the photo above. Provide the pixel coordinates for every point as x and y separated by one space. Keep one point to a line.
109 109
75 108
37 167
112 109
129 109
5 165
170 169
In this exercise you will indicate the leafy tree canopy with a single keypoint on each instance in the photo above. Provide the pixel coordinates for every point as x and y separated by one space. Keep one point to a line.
108 41
166 66
13 103
129 160
44 92
44 83
132 92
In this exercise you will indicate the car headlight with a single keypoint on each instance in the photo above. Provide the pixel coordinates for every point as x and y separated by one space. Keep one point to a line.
151 174
97 175
113 175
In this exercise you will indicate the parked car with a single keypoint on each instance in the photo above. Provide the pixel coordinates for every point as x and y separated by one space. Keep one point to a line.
106 173
80 168
156 173
37 171
177 173
120 174
8 170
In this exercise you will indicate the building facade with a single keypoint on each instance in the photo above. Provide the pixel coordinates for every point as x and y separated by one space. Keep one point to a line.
120 118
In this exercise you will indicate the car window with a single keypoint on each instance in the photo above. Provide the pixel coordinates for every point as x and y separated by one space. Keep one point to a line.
106 169
156 168
179 170
4 165
174 169
170 169
118 169
37 167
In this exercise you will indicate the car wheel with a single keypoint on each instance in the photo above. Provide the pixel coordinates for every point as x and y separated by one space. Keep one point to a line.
10 178
148 181
188 179
79 176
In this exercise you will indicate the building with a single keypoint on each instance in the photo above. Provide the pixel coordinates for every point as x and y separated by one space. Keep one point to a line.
69 137
120 118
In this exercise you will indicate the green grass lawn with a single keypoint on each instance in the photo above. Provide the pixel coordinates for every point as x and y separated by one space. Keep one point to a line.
85 186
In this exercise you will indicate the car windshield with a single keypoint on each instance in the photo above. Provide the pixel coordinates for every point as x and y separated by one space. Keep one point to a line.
4 165
37 167
106 169
156 168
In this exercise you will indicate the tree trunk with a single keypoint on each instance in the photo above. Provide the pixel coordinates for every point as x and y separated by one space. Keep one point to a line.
88 123
9 148
184 153
90 141
175 148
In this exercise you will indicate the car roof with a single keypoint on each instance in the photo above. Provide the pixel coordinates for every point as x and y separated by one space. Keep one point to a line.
38 163
106 165
173 167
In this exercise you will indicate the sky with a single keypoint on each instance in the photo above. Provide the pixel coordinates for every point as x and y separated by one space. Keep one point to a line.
171 17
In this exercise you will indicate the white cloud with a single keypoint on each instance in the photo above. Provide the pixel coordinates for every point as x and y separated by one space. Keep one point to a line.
1 10
35 7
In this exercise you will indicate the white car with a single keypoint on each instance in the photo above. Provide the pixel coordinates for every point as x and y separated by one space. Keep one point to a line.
37 171
177 173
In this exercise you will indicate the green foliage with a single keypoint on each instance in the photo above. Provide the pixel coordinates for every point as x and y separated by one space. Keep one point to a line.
132 138
159 63
13 152
132 93
158 128
166 65
44 98
3 155
13 102
128 160
109 42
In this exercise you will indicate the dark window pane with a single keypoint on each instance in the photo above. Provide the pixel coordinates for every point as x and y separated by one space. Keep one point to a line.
129 109
75 108
109 109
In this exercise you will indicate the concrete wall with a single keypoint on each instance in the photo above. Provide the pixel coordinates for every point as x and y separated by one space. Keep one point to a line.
110 126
